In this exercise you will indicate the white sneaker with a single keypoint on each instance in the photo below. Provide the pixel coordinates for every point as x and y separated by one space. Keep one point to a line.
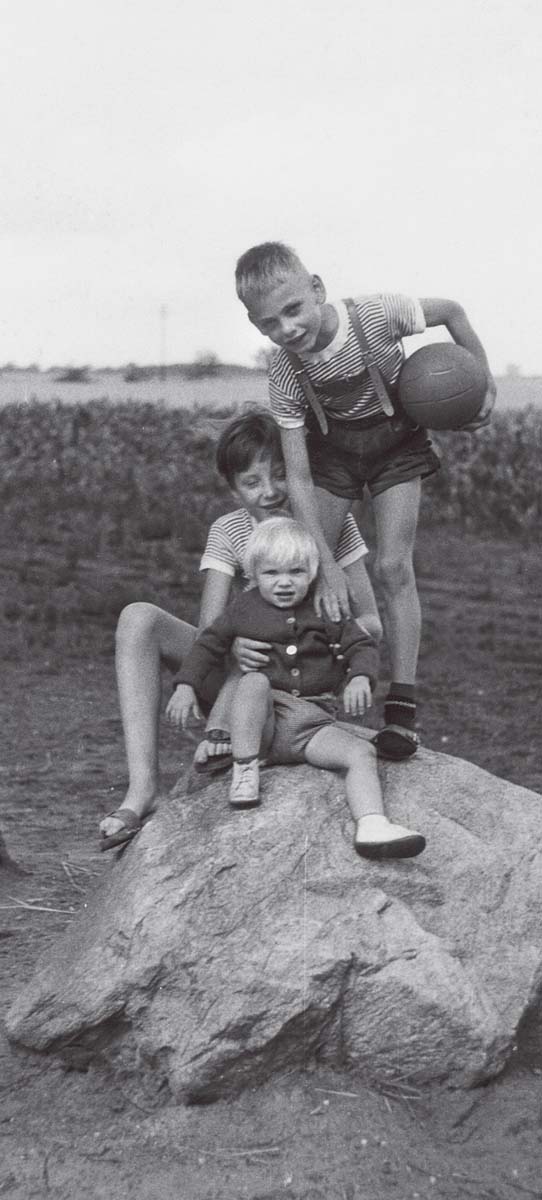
378 838
245 784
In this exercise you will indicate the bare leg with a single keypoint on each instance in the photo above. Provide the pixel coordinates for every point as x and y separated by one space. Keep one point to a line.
252 718
219 719
252 723
375 837
336 750
396 515
146 635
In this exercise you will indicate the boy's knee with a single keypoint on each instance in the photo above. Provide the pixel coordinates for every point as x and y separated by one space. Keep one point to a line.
393 574
135 620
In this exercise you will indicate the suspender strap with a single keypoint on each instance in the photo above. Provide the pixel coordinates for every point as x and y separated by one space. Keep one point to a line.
309 393
369 360
305 383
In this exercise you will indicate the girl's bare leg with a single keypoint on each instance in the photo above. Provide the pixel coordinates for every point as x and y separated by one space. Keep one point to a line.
146 635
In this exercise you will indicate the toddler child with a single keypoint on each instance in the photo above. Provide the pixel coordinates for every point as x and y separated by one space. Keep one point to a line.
286 712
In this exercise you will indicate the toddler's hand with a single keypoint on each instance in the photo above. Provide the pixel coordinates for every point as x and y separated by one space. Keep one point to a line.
182 703
357 696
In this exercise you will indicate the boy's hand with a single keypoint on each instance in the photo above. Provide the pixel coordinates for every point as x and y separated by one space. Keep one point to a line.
331 593
483 416
182 703
357 697
250 654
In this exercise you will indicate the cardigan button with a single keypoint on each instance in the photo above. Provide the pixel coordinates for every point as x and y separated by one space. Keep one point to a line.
295 692
291 649
290 620
295 672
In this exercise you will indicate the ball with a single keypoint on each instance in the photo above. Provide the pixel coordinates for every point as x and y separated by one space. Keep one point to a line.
442 386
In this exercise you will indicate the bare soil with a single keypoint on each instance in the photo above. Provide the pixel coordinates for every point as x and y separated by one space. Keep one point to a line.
319 1135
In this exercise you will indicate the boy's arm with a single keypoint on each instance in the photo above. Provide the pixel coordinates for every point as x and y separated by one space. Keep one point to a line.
450 314
332 591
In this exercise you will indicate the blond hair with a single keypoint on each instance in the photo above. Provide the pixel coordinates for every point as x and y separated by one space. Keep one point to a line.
282 542
263 265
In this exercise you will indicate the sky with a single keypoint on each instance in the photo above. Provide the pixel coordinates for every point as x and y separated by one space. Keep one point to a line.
396 146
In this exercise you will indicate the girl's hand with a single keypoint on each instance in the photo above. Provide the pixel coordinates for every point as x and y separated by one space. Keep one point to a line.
357 698
182 703
250 654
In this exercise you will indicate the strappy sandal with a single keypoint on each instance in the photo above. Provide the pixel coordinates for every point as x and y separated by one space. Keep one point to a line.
396 743
131 825
215 763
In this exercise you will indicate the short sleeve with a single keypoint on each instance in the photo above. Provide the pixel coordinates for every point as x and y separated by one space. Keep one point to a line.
404 315
219 553
350 546
288 404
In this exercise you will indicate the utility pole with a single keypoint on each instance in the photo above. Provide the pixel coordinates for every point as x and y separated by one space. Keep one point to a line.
163 340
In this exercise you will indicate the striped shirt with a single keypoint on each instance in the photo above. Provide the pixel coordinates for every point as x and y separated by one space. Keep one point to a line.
228 536
386 319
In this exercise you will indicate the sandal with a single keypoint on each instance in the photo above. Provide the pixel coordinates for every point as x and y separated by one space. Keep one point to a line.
131 826
215 763
396 742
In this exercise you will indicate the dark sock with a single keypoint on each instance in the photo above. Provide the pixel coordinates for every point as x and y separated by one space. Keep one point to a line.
400 705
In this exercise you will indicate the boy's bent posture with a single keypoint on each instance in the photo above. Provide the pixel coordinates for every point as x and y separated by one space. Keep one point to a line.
286 711
341 432
249 457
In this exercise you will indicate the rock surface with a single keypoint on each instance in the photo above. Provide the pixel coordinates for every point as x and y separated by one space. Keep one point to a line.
225 946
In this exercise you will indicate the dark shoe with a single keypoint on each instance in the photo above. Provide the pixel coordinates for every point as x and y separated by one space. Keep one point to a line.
396 742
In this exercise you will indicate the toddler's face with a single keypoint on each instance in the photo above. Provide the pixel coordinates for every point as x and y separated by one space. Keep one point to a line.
262 488
284 587
290 312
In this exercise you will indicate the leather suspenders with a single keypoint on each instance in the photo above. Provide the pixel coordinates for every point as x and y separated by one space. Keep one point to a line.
301 373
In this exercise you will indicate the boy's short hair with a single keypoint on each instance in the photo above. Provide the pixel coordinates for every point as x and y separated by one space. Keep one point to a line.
264 264
282 541
254 432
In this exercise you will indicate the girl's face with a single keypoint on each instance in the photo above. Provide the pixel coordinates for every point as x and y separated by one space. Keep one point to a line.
262 488
283 586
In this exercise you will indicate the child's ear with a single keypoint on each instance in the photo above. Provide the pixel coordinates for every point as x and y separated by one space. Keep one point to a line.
319 289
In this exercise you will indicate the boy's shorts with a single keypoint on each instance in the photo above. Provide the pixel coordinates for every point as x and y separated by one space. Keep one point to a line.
297 719
388 453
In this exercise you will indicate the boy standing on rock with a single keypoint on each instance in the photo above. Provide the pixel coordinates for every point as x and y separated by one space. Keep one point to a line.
287 710
342 429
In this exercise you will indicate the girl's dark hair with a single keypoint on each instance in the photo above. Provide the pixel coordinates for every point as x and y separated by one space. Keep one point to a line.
246 436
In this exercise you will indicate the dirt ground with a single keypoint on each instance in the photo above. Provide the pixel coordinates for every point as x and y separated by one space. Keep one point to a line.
320 1135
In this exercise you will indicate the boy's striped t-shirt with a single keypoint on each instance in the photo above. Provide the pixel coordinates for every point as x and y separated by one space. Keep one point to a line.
228 536
386 319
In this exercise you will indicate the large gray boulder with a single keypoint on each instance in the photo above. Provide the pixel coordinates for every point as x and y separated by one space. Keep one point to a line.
224 945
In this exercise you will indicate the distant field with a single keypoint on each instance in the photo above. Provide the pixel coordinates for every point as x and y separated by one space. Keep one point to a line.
19 387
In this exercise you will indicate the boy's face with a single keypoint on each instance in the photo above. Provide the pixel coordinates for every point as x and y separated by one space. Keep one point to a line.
293 313
283 587
262 488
